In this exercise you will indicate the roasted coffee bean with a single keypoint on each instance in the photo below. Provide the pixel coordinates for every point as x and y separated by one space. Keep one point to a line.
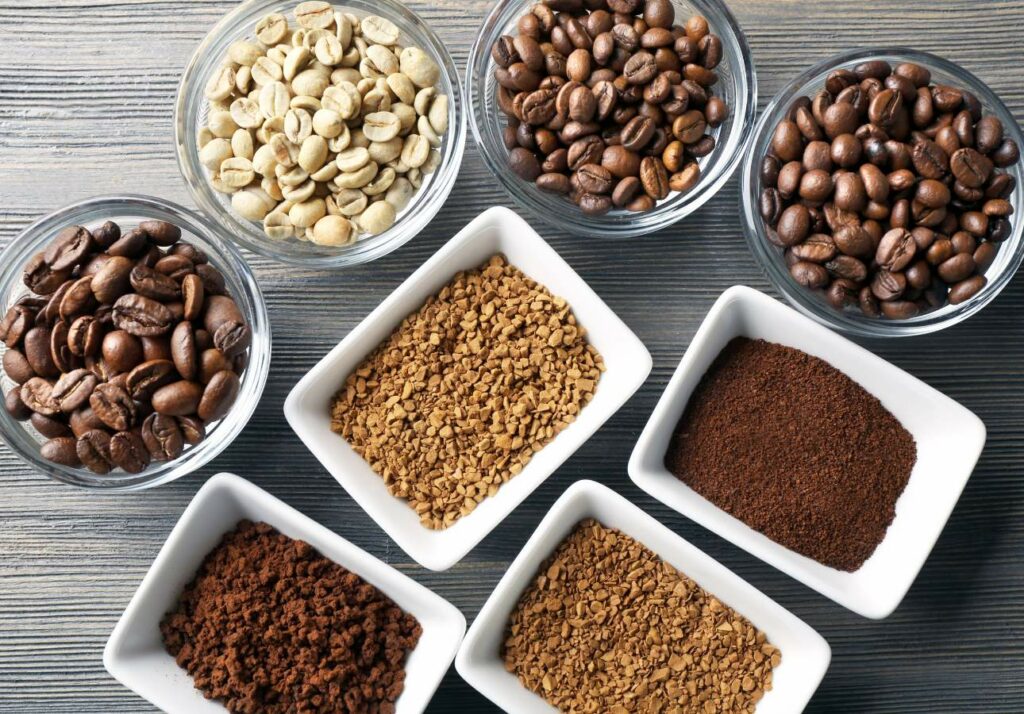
816 186
930 161
975 222
37 394
129 452
175 267
794 225
971 168
848 268
966 289
122 351
84 336
183 350
41 278
17 367
841 293
957 268
18 320
18 410
984 256
93 449
786 142
640 68
592 179
810 275
161 233
179 398
113 406
192 252
132 244
78 299
771 206
38 353
919 275
144 379
899 309
999 229
896 250
653 177
590 203
840 119
113 279
218 395
192 429
83 420
553 182
73 389
69 249
153 284
885 108
1007 154
818 248
106 235
637 133
888 286
624 192
142 316
156 348
932 193
61 450
963 242
162 437
846 150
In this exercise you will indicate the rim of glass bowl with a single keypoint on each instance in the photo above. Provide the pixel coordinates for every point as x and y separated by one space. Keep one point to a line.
242 285
425 203
487 122
851 321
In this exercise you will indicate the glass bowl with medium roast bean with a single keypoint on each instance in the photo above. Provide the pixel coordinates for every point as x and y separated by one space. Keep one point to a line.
611 118
318 134
881 191
135 343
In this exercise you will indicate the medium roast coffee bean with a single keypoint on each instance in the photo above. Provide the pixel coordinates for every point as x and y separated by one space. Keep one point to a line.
93 449
113 406
17 367
129 452
142 316
15 406
69 249
218 396
162 437
183 350
178 398
62 450
73 389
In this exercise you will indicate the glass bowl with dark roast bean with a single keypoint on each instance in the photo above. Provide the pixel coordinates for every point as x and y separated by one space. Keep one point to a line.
611 118
881 190
135 343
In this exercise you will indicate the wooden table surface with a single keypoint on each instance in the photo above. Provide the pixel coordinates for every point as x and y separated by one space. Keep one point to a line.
86 96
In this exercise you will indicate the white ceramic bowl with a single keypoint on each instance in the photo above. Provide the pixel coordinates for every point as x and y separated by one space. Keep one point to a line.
135 654
497 230
805 654
949 441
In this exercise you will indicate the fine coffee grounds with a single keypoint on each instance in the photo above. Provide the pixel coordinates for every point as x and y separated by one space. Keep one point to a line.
269 625
795 449
608 627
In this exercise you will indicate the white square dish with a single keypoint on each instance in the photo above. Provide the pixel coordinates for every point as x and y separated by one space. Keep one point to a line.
497 230
135 654
949 441
805 654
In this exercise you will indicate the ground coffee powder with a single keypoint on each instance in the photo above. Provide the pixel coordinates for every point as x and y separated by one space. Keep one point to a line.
795 449
270 626
608 627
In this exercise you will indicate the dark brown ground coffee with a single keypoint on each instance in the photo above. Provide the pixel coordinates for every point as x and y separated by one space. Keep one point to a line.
795 449
271 626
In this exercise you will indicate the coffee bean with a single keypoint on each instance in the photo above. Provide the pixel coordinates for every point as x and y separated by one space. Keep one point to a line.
899 309
129 452
957 268
73 389
106 235
162 437
69 249
929 159
625 191
888 286
840 119
14 405
984 256
794 225
1007 154
144 379
192 429
963 242
161 233
183 350
113 406
637 133
896 250
592 179
112 280
848 268
553 182
219 395
654 178
684 180
131 244
966 289
61 450
17 367
38 354
810 275
84 336
93 449
41 278
594 204
971 168
142 316
885 108
37 394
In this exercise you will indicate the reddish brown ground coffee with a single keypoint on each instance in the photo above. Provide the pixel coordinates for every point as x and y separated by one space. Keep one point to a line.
795 449
271 626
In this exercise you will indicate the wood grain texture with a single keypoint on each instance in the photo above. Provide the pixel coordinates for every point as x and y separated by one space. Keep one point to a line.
86 100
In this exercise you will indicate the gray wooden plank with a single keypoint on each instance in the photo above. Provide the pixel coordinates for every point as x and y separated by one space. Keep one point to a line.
83 78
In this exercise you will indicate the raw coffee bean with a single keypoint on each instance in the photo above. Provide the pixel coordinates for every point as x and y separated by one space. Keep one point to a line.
142 316
129 452
93 449
218 396
966 289
113 406
162 437
69 249
62 450
179 398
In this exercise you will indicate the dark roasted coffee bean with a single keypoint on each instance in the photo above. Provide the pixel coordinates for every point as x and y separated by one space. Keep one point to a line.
83 420
592 179
106 235
112 280
974 222
770 167
37 394
162 437
999 230
142 316
84 336
963 242
144 379
848 268
587 150
966 289
18 410
69 249
947 99
93 449
192 429
794 225
930 160
78 299
17 367
896 250
888 286
218 396
971 168
818 248
154 285
771 206
919 275
841 293
41 278
73 389
786 141
38 353
61 450
899 309
129 452
131 244
179 398
113 406
868 302
988 134
885 108
957 268
161 233
846 150
810 275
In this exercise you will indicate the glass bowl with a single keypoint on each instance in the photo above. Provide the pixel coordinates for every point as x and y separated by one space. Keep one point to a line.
190 115
737 85
128 210
851 320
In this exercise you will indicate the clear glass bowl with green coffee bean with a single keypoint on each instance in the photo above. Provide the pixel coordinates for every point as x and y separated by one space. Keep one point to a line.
601 36
50 339
914 197
320 134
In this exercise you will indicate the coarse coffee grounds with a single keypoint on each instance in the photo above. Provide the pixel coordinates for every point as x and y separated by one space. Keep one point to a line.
795 449
462 394
270 626
607 626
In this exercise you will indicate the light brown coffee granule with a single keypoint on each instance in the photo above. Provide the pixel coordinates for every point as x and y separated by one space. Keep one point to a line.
463 393
607 626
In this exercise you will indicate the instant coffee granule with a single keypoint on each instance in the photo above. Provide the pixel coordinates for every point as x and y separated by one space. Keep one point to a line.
270 626
607 626
463 393
795 449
